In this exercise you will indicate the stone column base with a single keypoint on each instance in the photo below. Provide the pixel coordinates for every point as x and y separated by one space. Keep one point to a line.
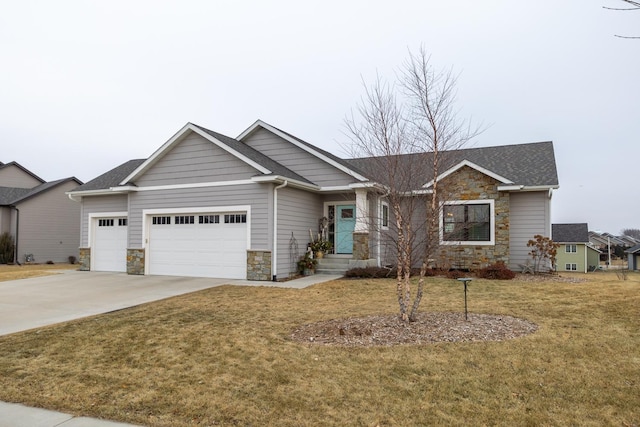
84 259
135 261
360 245
258 265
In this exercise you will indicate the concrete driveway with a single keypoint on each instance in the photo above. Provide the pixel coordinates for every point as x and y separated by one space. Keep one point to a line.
32 303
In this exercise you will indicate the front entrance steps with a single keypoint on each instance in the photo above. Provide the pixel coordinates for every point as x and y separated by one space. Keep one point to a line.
333 264
339 264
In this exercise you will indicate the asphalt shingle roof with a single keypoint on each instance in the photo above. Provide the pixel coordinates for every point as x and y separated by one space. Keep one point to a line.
9 194
111 178
570 233
530 164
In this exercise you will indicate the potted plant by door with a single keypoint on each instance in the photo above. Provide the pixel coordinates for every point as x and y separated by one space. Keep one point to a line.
320 247
307 264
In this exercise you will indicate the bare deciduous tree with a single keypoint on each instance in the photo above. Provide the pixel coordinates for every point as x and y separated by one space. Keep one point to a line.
632 5
631 232
405 130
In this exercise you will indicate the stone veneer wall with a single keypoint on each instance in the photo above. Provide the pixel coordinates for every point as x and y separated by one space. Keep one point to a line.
360 246
258 265
84 259
469 184
135 261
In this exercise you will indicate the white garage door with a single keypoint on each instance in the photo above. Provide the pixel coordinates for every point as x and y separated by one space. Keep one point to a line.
109 249
199 245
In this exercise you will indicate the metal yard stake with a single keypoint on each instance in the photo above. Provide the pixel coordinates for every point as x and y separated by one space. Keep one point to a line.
465 280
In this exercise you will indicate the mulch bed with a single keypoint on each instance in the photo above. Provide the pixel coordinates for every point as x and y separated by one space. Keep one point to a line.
388 330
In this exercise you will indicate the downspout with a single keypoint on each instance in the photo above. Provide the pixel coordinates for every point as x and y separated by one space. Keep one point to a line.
15 247
274 252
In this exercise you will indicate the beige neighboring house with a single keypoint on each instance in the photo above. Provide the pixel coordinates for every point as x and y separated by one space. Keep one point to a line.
40 217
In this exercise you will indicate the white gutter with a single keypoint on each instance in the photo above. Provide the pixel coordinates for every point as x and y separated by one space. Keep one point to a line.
274 253
527 187
289 181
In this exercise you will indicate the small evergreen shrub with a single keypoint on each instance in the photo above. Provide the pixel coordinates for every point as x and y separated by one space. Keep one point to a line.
455 274
6 248
496 271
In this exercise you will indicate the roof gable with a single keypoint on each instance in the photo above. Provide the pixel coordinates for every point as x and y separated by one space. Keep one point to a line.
338 163
12 196
23 179
472 165
248 155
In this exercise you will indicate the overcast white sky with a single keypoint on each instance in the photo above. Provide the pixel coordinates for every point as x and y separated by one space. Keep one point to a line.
87 85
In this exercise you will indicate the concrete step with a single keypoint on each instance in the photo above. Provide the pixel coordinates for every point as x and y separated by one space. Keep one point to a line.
333 264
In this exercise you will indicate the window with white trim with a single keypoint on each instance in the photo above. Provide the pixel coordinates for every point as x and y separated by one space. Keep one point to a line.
122 222
105 222
571 267
571 248
235 218
384 215
161 220
467 222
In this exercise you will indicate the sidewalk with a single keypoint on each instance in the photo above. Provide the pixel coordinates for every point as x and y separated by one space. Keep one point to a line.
17 415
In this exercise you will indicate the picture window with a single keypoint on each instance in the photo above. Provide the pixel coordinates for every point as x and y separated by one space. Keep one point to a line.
467 222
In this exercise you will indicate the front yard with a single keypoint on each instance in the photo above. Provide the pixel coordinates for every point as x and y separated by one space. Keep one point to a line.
226 356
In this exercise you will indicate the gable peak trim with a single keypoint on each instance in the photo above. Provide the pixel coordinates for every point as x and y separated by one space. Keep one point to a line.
179 136
474 166
261 124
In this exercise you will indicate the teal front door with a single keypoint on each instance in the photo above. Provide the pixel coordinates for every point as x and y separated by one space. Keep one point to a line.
345 224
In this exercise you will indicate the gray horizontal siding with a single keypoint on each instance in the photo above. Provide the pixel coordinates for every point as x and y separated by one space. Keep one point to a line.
528 216
99 204
255 195
194 159
49 225
298 160
298 212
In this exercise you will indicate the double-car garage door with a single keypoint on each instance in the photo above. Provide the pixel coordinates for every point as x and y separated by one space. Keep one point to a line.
193 244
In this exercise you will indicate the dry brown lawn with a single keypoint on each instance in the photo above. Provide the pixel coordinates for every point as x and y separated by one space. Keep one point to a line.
25 271
225 356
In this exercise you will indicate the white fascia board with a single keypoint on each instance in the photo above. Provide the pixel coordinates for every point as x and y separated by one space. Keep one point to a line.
527 187
189 127
280 179
93 192
260 123
472 166
186 186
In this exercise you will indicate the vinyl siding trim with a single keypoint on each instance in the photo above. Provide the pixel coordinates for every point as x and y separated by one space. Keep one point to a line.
175 139
304 147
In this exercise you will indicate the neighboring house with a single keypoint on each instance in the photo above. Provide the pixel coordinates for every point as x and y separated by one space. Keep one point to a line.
575 252
38 215
633 257
208 205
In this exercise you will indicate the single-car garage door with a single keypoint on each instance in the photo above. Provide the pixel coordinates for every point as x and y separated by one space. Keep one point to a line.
109 248
199 245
